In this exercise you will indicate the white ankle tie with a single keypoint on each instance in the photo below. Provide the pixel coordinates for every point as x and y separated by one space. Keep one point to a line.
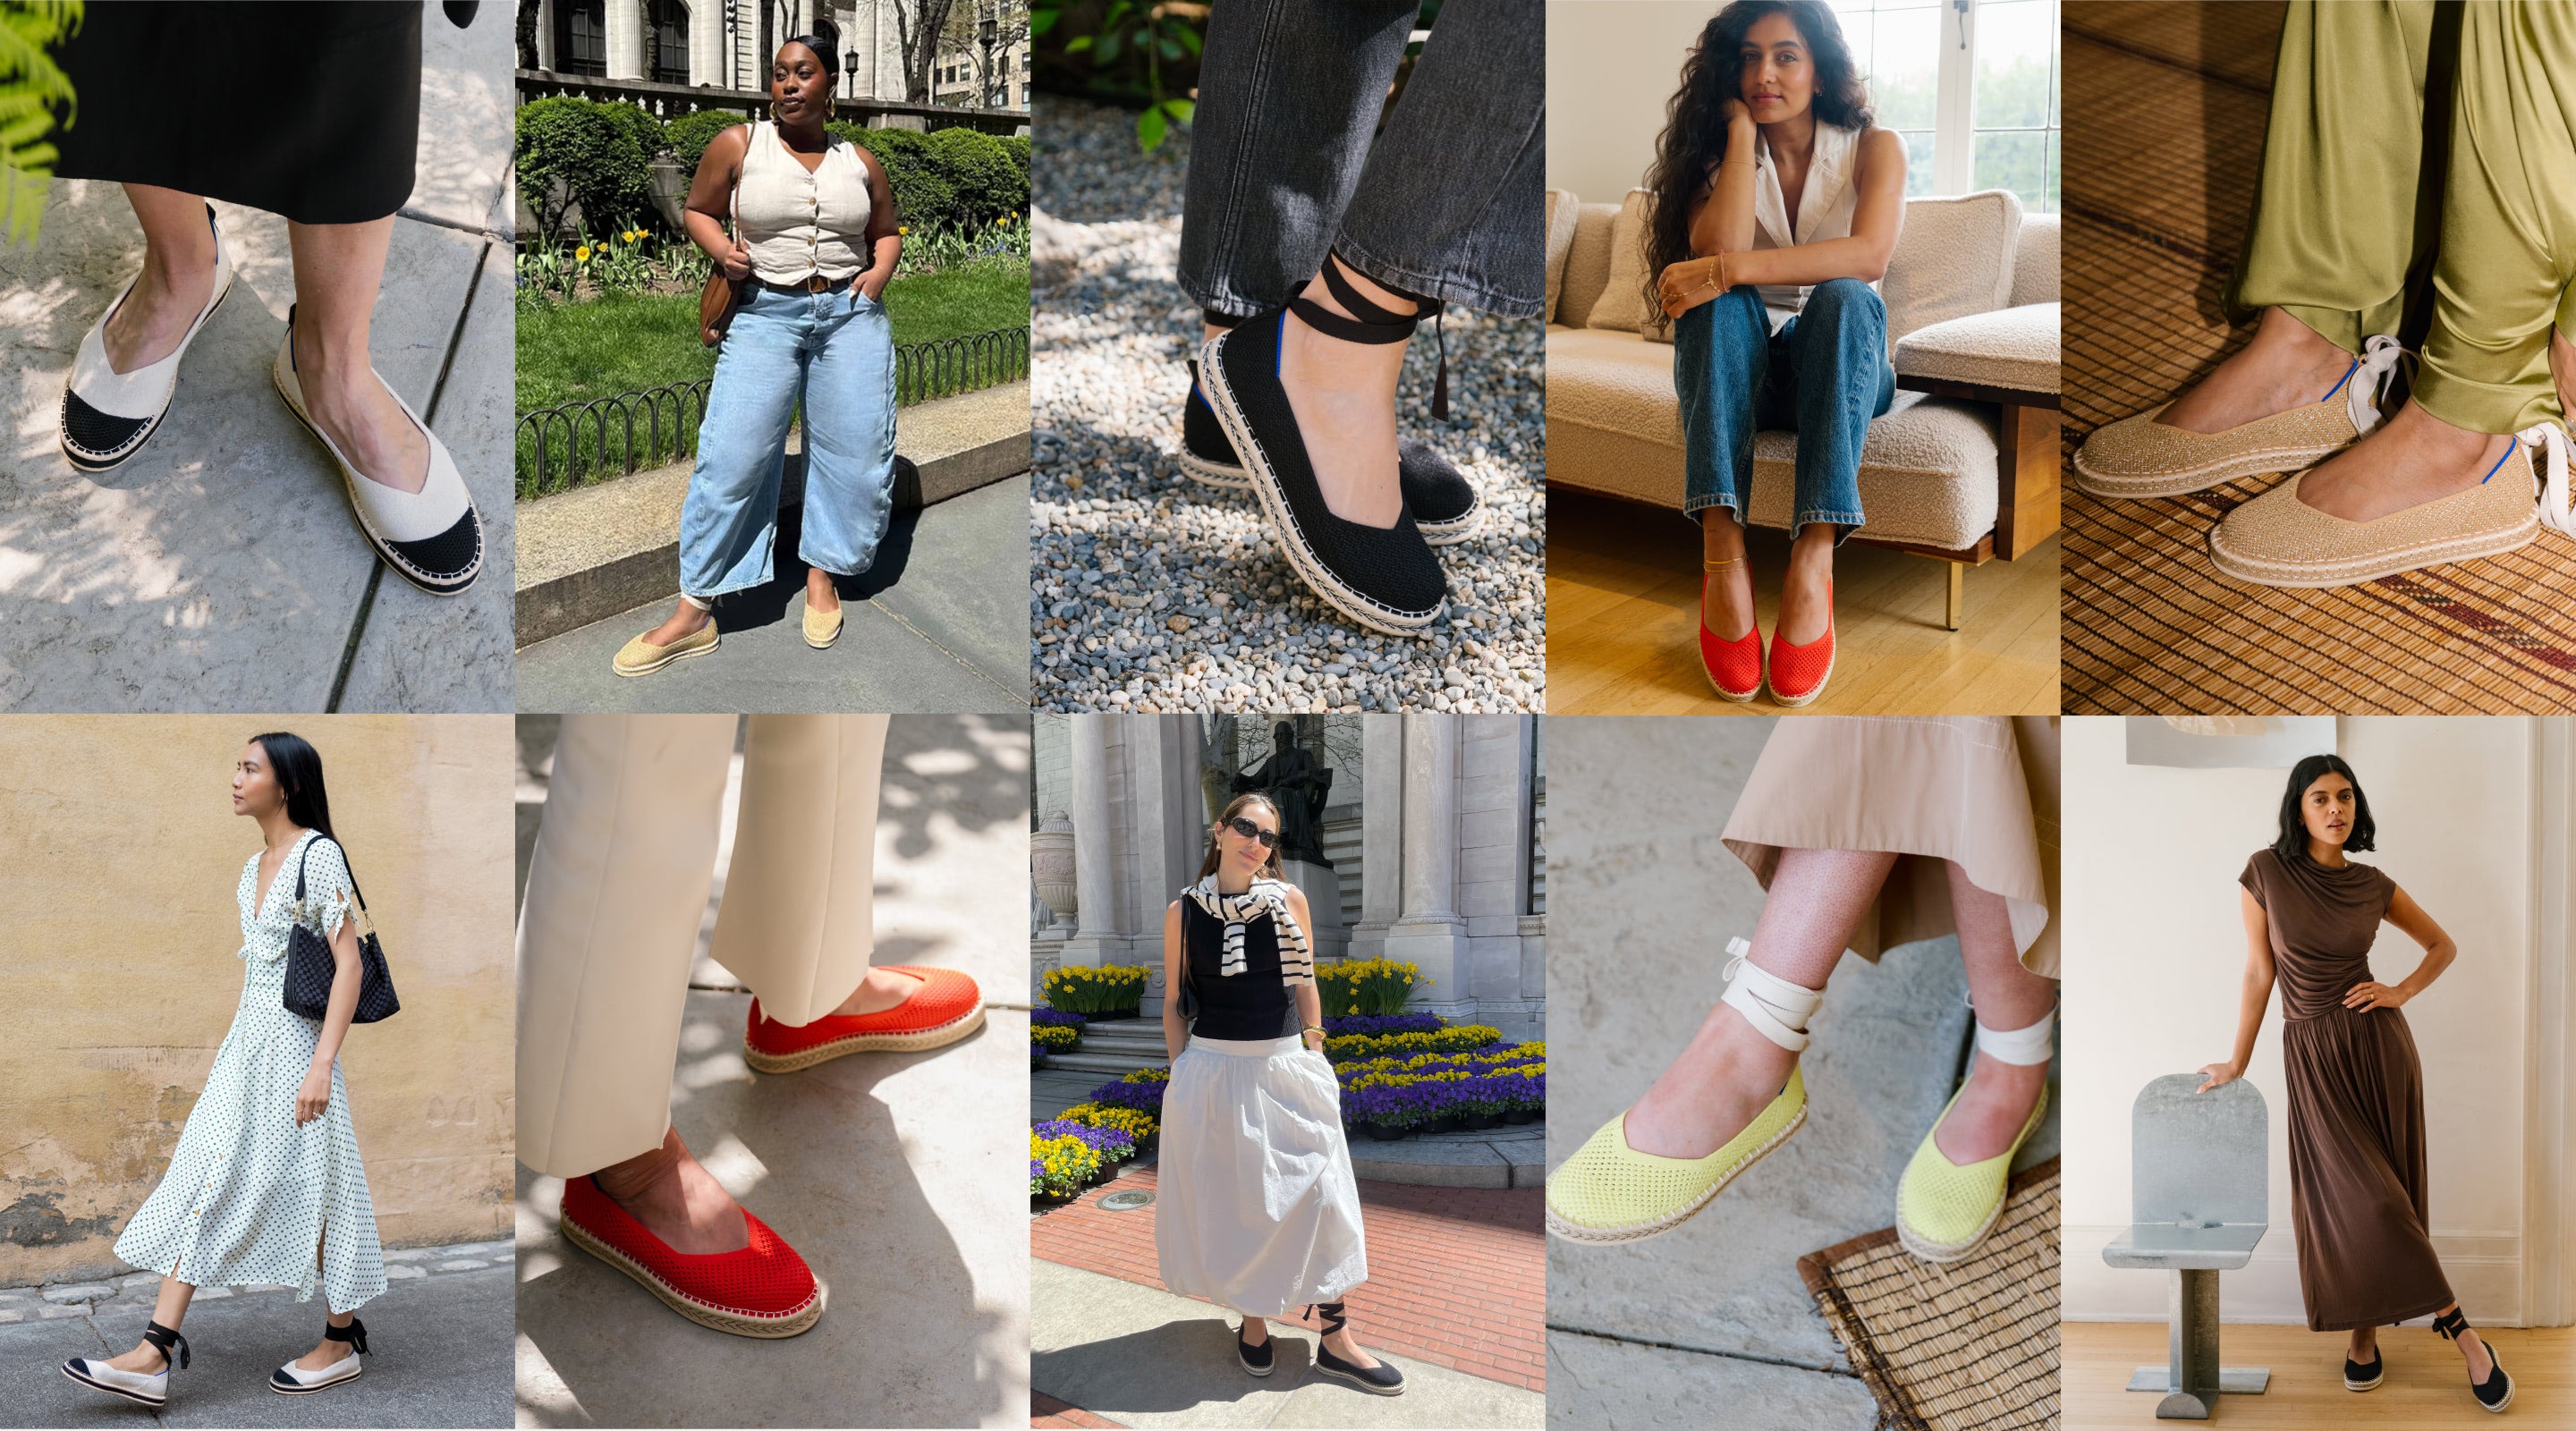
2018 1046
1776 1008
2549 440
2369 382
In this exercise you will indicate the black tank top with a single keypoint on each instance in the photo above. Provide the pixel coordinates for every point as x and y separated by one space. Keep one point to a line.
1249 1005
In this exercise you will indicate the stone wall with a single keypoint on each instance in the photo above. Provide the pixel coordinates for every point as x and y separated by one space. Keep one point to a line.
118 865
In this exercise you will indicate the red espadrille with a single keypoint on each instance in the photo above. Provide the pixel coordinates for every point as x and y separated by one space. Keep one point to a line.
1799 673
946 1008
763 1290
1734 668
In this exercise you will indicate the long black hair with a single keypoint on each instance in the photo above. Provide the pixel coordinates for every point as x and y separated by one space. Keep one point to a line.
298 768
2294 830
1694 136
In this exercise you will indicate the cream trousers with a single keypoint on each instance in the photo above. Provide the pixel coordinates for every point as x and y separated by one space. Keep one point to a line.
618 887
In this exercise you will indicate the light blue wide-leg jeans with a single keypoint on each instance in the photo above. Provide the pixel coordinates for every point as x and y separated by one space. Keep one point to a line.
834 352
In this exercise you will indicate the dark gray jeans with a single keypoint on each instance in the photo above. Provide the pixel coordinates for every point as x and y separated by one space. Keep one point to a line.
1286 159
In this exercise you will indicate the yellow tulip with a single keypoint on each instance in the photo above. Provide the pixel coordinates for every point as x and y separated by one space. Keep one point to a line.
582 254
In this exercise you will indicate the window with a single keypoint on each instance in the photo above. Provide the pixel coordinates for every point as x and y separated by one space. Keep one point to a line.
1971 85
666 38
581 37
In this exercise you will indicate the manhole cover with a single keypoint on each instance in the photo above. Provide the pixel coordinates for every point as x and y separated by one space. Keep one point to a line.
1126 1201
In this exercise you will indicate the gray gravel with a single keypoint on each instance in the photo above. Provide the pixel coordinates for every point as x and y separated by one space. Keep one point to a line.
1149 591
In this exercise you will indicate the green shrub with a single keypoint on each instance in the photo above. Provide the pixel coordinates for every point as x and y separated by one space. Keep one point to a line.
688 136
983 174
596 151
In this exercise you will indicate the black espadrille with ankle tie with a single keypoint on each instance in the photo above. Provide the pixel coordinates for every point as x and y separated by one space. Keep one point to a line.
1445 506
1378 1380
1384 578
1255 1359
2496 1392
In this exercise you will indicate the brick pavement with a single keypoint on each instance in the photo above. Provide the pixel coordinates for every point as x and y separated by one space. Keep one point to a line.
1457 1276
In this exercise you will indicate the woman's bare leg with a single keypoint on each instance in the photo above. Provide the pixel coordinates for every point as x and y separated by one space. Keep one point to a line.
820 594
2288 364
2365 1345
327 1351
338 269
169 1309
2473 1349
1998 1097
1730 1071
1807 585
1728 607
178 278
677 1200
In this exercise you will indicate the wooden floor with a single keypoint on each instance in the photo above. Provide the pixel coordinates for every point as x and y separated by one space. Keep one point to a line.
1623 610
2426 1389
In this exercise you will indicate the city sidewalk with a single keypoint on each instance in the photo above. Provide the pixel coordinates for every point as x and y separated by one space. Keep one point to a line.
220 568
939 625
440 1336
893 1175
1456 1296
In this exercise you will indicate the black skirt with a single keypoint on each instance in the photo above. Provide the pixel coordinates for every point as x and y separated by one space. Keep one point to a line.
308 111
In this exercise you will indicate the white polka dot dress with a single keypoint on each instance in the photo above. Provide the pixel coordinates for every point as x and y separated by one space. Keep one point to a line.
250 1195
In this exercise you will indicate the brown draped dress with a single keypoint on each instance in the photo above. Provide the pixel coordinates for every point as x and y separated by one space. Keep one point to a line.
2357 1185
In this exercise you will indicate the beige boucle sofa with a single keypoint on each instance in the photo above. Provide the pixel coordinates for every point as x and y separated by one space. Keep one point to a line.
1963 466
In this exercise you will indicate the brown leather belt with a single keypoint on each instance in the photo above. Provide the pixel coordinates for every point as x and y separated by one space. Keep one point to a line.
816 284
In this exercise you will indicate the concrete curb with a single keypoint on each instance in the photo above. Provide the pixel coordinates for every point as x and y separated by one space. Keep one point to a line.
590 553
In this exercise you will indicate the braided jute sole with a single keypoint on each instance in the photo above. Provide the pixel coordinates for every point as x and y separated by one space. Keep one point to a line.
736 1323
2202 478
2370 566
1229 477
1640 1231
1931 1251
135 1397
913 1042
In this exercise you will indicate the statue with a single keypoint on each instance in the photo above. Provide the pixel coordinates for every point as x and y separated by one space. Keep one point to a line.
1298 784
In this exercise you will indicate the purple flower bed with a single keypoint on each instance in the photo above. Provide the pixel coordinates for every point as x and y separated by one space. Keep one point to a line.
1377 1024
1398 1105
1109 1143
1147 1097
1057 1017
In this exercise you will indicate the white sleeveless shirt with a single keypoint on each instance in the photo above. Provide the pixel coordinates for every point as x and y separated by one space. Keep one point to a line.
1825 205
799 224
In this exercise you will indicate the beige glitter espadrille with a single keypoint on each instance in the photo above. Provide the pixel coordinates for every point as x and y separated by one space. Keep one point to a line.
2278 540
2139 457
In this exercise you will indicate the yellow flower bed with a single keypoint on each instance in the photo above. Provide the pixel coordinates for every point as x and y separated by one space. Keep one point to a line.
1134 1122
1060 1166
1460 1038
1106 989
1055 1038
1368 986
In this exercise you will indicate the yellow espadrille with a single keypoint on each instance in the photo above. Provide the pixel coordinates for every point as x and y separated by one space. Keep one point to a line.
2139 457
822 628
1610 1192
1944 1210
640 657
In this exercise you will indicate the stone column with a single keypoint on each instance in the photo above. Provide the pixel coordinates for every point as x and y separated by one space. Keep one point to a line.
1095 860
1381 832
1429 932
1168 834
706 43
625 39
545 37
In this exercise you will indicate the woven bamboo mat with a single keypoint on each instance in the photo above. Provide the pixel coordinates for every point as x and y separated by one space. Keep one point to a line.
1970 1345
2165 109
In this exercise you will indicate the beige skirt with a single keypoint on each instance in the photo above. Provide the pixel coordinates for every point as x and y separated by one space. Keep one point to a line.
1980 790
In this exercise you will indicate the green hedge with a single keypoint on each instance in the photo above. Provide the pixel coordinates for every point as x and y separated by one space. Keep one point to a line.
603 151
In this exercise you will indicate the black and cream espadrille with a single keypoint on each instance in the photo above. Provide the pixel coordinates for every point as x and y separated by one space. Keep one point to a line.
1446 507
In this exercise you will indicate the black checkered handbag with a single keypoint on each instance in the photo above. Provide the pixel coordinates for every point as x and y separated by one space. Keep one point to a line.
310 967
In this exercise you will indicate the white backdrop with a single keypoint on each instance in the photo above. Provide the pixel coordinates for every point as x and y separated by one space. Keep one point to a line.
2156 950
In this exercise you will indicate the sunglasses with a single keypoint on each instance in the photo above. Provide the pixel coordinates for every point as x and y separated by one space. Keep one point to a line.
1269 838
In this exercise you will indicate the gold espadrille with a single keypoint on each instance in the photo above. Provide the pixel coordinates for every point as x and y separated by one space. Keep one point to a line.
2139 457
822 628
2278 540
640 657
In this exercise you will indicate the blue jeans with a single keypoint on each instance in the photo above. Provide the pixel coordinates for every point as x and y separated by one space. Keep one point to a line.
835 351
1823 376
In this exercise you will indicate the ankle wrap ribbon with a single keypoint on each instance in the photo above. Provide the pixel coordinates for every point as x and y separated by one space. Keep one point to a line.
2018 1046
1370 323
1776 1008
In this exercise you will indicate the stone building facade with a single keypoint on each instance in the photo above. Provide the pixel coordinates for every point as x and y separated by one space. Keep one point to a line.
713 43
1435 834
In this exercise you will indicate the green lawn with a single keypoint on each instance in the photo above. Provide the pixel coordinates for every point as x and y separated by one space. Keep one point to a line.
627 342
621 343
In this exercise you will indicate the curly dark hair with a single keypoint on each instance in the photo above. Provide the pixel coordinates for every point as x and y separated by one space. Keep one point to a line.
1694 137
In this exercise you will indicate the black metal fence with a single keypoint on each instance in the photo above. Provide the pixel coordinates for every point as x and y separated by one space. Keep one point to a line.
560 447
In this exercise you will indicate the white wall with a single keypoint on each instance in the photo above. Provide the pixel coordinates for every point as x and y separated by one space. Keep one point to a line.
1611 67
2156 950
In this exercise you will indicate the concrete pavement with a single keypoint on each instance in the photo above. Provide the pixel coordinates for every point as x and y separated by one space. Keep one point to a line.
941 624
440 1336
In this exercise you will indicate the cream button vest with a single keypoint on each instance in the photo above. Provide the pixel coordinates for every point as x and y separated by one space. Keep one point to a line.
1825 205
799 224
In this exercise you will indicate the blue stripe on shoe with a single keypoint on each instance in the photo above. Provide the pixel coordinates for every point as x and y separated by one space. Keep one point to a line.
2339 382
2499 467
